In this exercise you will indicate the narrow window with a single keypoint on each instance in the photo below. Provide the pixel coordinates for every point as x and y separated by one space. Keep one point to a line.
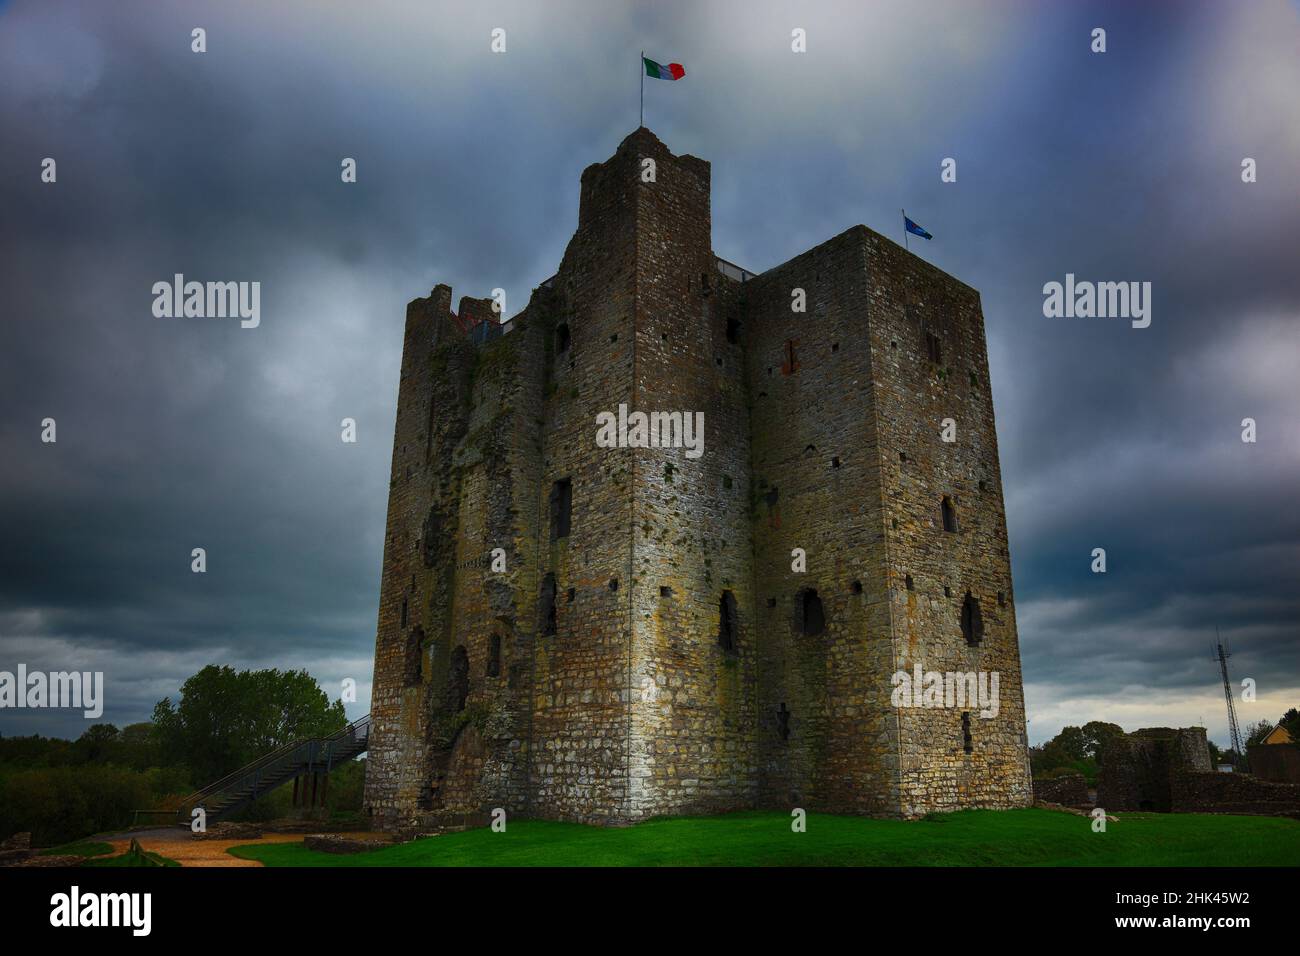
733 331
548 604
1002 599
966 743
949 515
494 656
812 616
562 338
613 584
932 348
403 612
783 721
972 621
561 507
414 656
665 591
911 586
458 678
727 622
857 587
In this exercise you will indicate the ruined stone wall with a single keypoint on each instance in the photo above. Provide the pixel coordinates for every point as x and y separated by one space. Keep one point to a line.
1068 789
692 726
1214 792
1164 770
1138 770
929 363
1187 747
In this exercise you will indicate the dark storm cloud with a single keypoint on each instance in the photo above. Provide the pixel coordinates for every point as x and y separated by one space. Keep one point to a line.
183 433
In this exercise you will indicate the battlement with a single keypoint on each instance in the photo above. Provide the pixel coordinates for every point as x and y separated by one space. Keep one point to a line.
475 319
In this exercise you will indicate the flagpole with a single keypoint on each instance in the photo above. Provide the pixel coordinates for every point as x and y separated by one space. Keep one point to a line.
642 72
904 212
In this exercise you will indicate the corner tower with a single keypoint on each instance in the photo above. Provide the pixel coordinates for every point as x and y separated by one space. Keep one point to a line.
904 533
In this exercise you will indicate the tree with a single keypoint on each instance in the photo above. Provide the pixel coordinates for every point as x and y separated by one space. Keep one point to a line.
1067 747
137 748
1291 721
1257 732
1096 734
226 719
96 744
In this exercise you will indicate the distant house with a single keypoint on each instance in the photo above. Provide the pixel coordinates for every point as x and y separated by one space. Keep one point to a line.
1278 735
1226 768
1276 758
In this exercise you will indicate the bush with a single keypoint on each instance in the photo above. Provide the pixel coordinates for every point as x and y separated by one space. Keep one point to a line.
61 804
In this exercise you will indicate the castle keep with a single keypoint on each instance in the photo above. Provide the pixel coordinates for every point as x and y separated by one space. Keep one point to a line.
639 645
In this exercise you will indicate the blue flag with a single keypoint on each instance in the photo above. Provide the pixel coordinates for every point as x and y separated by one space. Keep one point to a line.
916 230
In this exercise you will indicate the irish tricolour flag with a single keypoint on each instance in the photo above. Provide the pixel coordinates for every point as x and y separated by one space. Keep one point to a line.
661 71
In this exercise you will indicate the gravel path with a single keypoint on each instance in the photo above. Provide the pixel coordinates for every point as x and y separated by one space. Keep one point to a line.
175 844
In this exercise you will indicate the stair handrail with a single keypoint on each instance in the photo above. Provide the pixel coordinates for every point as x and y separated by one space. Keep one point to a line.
248 768
216 787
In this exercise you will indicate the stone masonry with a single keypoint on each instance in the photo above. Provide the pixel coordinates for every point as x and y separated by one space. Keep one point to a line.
1168 770
647 648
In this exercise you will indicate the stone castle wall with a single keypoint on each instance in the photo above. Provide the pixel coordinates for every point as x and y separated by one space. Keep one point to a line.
929 364
1167 770
1138 770
1240 793
658 657
692 721
829 737
1068 789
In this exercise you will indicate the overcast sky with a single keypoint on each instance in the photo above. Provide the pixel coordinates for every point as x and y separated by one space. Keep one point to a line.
183 433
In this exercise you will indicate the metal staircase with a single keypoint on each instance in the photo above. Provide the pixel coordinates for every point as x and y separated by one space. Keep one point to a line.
316 755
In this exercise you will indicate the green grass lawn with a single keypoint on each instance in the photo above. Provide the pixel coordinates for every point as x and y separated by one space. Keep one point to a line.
135 856
80 848
969 838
